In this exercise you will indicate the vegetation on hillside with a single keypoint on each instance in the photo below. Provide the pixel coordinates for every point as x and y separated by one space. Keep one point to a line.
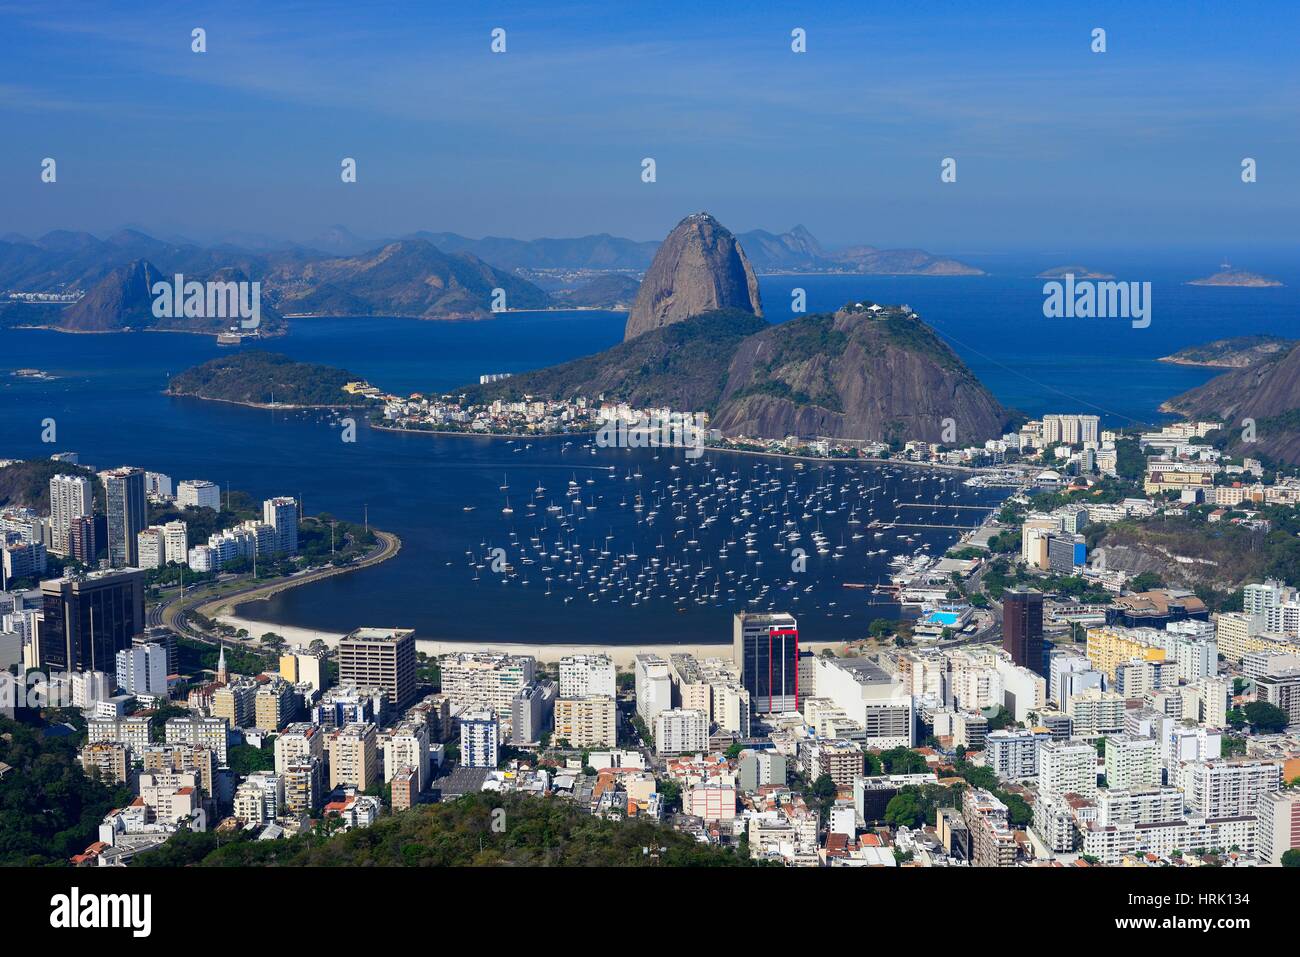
27 484
477 830
256 377
49 809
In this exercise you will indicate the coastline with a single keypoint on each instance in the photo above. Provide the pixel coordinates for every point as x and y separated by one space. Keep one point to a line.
623 655
257 405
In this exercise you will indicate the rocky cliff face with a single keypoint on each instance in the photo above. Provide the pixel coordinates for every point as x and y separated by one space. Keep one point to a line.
700 267
1267 393
861 374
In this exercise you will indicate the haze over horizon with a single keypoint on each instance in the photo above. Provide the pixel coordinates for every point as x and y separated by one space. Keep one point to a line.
1058 148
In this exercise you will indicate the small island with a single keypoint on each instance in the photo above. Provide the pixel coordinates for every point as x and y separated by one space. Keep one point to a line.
1236 277
270 380
1078 272
1235 352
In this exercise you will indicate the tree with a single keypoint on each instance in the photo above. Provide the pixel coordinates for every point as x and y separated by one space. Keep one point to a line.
823 793
904 810
1266 718
1146 582
1291 858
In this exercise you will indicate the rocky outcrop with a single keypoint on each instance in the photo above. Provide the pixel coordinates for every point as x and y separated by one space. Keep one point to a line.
865 372
1266 393
700 267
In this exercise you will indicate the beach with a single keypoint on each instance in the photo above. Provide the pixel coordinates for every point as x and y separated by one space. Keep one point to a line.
622 655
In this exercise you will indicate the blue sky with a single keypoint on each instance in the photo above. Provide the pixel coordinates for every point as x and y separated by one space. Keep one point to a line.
1057 147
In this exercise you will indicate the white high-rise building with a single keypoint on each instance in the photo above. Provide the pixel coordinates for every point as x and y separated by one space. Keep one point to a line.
71 496
149 545
282 515
1132 762
198 493
176 543
654 687
474 678
1067 767
1218 789
142 669
479 736
1013 754
681 731
584 675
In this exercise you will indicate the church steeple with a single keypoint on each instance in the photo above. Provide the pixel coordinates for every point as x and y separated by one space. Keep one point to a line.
221 665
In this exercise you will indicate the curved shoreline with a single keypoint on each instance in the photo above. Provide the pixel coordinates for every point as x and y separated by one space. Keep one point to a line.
256 405
229 605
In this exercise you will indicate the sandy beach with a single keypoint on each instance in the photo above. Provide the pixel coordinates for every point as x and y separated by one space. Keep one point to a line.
623 655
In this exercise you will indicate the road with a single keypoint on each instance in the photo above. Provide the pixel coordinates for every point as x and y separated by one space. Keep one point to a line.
168 612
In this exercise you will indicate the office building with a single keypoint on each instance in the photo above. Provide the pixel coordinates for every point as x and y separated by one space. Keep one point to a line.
127 514
380 658
89 619
1022 627
876 702
766 647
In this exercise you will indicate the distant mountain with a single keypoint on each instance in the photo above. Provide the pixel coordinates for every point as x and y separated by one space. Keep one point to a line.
123 300
613 290
797 249
601 251
340 241
407 278
899 262
1266 392
1078 272
699 268
1235 277
1236 352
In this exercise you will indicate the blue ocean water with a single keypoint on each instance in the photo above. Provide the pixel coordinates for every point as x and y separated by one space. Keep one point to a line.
107 403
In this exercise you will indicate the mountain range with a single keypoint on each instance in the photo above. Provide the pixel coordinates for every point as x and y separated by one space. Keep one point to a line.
426 274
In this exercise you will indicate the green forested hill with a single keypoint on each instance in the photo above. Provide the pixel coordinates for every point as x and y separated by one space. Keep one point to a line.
254 377
27 484
49 809
537 832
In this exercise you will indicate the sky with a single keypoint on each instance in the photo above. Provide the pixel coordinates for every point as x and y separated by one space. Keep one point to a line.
1056 147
